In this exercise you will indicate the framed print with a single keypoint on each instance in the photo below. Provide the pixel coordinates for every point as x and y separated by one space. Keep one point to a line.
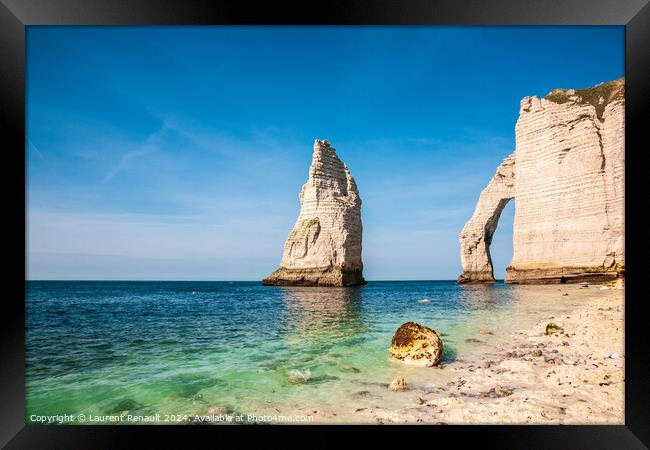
355 215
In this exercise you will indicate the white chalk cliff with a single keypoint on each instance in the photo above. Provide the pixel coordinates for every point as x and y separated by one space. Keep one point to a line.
324 247
567 178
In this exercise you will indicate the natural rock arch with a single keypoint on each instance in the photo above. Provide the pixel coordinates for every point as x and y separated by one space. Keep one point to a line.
568 180
476 236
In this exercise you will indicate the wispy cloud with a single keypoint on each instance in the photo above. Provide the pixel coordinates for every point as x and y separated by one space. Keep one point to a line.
35 149
149 146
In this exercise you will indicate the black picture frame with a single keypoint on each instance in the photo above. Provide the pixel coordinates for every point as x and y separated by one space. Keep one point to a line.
15 15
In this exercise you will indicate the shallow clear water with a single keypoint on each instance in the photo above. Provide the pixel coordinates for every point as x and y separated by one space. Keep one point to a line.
182 347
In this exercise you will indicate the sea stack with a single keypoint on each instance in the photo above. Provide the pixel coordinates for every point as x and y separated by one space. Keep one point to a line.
324 247
566 176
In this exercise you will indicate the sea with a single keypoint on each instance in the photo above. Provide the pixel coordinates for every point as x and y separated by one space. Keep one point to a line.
179 351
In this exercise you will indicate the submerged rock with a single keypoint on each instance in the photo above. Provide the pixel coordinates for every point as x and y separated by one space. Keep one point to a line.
348 369
362 394
296 376
417 345
121 405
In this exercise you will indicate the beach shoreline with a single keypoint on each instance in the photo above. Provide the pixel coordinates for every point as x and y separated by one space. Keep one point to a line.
575 376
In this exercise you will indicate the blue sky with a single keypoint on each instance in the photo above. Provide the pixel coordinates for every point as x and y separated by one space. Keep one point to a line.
179 152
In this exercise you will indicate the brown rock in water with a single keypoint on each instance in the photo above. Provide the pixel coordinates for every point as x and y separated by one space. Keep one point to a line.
398 384
485 331
417 345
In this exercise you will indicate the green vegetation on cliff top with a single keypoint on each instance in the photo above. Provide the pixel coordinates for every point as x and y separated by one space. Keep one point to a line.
598 96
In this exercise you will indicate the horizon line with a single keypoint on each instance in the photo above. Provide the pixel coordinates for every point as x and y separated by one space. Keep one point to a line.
228 281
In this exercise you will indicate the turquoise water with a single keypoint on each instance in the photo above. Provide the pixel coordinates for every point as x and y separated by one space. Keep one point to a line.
181 348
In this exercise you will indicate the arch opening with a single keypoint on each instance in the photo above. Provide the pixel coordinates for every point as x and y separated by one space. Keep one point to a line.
500 245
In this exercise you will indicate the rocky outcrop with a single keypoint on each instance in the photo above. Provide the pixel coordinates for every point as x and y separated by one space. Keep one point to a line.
417 345
476 237
569 219
324 247
568 188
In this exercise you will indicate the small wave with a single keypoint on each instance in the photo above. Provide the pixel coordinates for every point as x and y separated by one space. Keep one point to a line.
424 300
100 346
